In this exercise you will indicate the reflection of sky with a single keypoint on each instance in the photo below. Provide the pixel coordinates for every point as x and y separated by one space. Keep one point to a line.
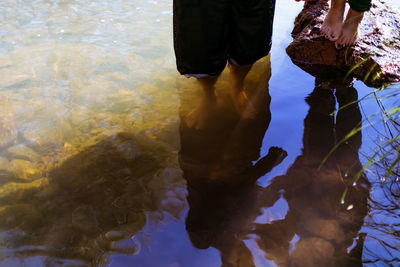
286 88
276 212
169 246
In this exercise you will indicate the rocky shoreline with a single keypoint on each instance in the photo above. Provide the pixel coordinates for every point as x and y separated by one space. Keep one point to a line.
374 59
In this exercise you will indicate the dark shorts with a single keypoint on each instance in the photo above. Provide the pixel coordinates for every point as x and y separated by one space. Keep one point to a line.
360 5
207 33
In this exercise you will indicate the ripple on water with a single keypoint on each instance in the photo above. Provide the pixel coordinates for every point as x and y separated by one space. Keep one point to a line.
74 75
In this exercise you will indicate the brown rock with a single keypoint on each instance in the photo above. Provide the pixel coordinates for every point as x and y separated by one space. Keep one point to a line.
22 152
5 173
24 170
374 59
326 229
8 133
312 252
17 191
127 246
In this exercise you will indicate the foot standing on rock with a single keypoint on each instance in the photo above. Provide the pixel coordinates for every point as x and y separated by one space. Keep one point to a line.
344 33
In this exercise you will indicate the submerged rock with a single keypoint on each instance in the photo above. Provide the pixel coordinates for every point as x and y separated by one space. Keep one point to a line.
19 190
84 219
312 252
323 228
24 170
5 173
22 152
43 136
114 235
4 164
10 79
23 215
7 136
8 132
126 246
375 58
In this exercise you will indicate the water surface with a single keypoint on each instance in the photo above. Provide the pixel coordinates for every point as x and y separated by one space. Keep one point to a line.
98 166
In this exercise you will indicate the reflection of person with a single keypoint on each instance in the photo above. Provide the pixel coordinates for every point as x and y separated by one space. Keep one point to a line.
208 33
217 164
344 33
324 226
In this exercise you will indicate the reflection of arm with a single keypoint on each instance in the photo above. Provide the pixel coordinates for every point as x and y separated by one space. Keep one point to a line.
275 156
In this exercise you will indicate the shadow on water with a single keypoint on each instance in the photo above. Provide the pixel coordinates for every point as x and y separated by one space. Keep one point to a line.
224 199
93 204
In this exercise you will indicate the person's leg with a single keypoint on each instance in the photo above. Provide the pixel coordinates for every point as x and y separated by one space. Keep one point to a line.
208 85
348 120
333 22
350 27
201 48
239 97
198 117
250 40
319 134
349 31
200 36
238 74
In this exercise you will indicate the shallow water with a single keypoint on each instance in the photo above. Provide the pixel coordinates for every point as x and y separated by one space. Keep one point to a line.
98 166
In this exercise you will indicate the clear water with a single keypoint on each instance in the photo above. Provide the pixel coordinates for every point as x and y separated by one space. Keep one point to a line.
97 166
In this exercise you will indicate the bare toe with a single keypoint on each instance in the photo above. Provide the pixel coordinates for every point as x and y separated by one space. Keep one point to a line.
325 31
347 40
338 45
333 37
333 22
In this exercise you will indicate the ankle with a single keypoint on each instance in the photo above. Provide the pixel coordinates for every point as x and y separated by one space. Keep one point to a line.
354 16
236 91
337 6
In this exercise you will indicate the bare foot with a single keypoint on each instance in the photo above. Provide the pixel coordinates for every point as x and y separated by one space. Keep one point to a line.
333 22
348 35
243 105
197 119
199 116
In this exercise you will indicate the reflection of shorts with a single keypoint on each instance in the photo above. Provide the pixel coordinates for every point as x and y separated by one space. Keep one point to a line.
207 33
